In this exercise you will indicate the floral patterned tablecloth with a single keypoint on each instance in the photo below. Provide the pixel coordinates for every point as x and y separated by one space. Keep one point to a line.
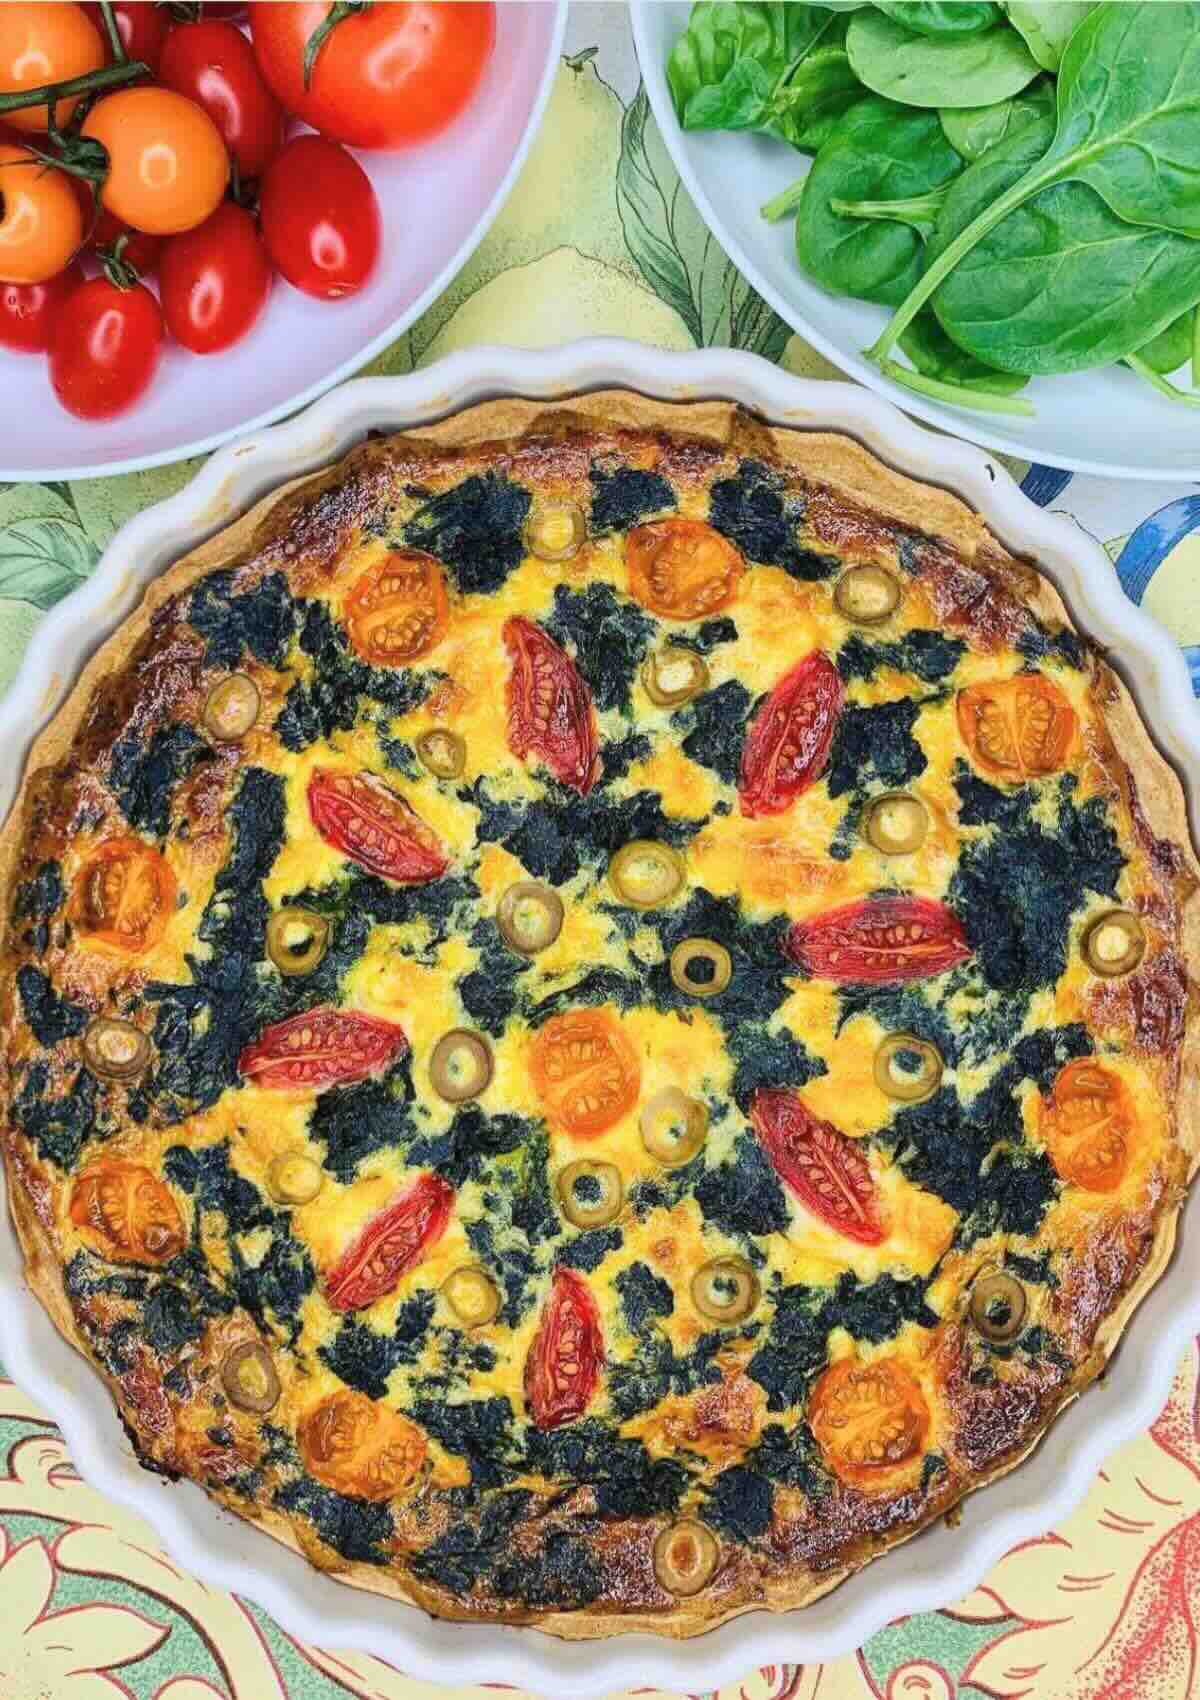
599 238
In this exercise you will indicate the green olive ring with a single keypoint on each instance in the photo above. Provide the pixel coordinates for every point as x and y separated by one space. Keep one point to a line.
725 1289
646 874
293 1177
1114 943
591 1193
998 1306
867 595
115 1049
297 939
674 675
685 1556
907 1068
673 1127
461 1066
710 977
442 752
530 916
472 1295
231 707
555 531
896 823
250 1379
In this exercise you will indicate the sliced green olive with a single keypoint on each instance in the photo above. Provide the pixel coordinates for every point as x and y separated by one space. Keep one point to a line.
114 1049
685 1556
530 916
443 752
726 1289
461 1065
673 1126
701 967
998 1306
646 874
896 823
591 1193
907 1068
673 675
294 1178
472 1295
232 707
1114 944
555 531
867 595
297 939
249 1377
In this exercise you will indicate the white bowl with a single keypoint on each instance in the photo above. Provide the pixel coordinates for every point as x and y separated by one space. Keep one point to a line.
1107 421
939 1566
437 201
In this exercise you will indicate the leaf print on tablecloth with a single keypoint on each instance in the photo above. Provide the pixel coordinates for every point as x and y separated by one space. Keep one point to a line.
677 254
41 560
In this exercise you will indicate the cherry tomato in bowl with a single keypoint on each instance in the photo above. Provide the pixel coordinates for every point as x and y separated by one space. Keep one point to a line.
214 281
104 348
42 44
142 25
28 310
213 64
387 77
41 226
167 163
320 218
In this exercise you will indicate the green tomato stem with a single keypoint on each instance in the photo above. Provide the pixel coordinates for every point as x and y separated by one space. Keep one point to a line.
957 395
784 203
94 82
1164 386
114 34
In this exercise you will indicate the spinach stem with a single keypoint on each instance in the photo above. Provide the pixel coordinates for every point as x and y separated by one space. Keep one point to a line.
958 395
1164 386
918 210
784 203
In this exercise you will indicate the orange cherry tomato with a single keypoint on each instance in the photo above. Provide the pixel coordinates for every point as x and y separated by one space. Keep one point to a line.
398 608
40 223
867 1418
1017 729
42 44
127 1214
123 896
682 568
359 1446
1088 1125
167 163
585 1071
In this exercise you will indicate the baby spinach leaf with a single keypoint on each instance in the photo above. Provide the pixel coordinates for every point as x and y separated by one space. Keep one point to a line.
938 70
942 17
1046 26
729 47
805 111
934 355
973 130
1167 351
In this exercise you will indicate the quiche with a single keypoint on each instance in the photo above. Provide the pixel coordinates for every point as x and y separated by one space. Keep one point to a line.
596 1014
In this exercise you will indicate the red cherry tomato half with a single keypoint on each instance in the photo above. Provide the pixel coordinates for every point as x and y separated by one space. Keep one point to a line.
563 1367
825 1169
369 823
213 64
142 26
320 218
387 77
105 348
880 941
390 1245
28 310
214 281
787 746
550 711
321 1047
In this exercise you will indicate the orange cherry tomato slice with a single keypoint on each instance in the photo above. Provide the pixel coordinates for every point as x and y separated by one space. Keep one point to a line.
788 743
123 896
825 1169
391 1244
682 569
563 1367
1088 1125
1017 729
867 1418
585 1071
398 608
373 825
321 1047
360 1446
881 941
127 1214
550 712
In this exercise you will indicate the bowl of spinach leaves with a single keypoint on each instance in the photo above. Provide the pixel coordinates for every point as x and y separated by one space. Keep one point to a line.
988 210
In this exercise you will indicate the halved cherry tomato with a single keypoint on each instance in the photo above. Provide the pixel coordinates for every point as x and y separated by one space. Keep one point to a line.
28 310
1088 1124
42 44
40 223
391 1244
127 1214
787 745
585 1071
167 165
824 1168
398 608
368 822
867 1418
142 25
1017 729
360 1446
213 64
386 78
563 1367
123 896
105 348
321 1047
214 281
550 712
880 941
682 569
320 218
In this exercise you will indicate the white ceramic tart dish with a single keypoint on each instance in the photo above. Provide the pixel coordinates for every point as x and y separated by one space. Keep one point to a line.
799 1352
